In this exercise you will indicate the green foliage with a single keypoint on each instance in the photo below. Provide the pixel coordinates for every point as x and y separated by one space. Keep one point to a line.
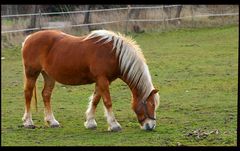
195 70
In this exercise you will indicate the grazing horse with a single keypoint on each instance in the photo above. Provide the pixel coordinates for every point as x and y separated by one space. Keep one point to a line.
99 57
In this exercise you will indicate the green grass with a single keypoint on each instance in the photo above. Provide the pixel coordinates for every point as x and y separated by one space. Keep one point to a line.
196 71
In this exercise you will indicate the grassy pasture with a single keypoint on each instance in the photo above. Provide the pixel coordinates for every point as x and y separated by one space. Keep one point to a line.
196 71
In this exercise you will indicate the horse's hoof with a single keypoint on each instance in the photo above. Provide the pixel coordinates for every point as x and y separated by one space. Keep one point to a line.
115 129
30 126
52 123
54 126
93 127
90 124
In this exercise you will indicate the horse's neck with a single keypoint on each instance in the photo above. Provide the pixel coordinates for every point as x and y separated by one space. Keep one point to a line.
137 92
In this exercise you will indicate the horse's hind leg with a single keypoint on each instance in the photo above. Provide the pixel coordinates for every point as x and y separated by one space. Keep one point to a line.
46 94
30 81
103 89
90 113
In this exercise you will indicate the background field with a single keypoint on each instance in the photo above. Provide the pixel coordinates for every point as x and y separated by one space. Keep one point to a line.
196 71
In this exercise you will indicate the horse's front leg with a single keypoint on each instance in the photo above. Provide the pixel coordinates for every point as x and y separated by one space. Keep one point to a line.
102 87
90 113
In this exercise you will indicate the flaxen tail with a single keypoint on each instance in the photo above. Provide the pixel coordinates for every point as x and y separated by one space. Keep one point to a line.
35 96
24 80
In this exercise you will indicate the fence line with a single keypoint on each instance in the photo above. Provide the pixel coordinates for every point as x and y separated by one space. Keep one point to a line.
205 15
85 11
109 22
58 13
57 27
79 25
19 30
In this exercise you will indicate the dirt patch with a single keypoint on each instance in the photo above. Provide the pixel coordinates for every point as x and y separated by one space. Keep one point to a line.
201 134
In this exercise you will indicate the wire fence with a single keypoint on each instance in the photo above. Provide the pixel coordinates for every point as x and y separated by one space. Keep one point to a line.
163 15
89 11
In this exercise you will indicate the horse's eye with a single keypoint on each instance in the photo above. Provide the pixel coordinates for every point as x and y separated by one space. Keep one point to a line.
152 104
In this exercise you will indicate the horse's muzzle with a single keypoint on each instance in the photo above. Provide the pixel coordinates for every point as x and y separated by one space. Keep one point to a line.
149 125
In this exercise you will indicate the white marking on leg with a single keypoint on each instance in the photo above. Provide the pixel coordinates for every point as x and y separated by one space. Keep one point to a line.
113 124
27 119
50 119
90 115
90 110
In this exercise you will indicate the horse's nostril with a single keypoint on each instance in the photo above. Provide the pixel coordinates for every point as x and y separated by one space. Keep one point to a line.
149 127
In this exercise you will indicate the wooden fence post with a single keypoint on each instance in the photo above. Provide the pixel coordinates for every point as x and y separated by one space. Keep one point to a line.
127 19
164 19
33 18
192 13
87 18
39 19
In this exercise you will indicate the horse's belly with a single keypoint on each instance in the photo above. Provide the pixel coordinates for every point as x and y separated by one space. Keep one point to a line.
75 81
71 77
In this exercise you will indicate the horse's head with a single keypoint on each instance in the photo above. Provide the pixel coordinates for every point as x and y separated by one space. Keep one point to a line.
146 110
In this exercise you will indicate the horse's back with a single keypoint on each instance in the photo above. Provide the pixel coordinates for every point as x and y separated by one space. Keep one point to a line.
39 41
40 38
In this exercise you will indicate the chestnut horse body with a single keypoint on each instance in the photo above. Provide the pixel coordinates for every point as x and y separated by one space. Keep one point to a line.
100 57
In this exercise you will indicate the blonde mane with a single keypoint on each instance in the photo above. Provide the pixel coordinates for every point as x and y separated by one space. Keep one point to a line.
131 60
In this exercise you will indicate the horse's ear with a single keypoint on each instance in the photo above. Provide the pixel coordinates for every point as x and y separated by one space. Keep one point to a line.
154 91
